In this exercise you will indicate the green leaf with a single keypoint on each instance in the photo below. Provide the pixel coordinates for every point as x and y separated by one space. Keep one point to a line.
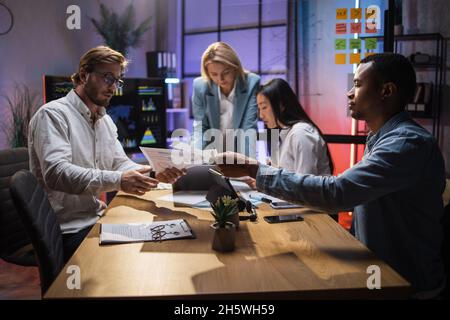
21 105
118 30
223 209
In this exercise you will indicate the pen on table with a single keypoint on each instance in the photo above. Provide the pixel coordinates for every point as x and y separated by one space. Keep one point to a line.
263 199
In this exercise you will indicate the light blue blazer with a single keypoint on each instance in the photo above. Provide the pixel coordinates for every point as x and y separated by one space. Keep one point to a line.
206 105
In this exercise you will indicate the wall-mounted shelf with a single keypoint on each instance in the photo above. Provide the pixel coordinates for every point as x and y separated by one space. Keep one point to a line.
437 68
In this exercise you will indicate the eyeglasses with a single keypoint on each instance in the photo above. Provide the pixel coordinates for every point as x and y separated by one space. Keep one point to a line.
110 79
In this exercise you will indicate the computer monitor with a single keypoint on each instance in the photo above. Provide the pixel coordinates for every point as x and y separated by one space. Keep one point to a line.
138 109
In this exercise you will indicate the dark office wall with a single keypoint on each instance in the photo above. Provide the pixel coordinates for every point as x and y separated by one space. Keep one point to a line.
40 42
430 16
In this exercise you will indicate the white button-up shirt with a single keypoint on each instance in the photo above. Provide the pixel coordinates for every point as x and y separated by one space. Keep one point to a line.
75 159
226 109
303 150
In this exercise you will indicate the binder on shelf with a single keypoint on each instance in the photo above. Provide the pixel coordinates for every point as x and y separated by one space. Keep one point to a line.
422 99
161 64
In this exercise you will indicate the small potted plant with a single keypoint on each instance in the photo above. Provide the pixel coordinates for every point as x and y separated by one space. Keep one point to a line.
224 230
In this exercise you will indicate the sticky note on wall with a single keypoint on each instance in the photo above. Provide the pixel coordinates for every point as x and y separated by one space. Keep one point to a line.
355 27
340 44
355 44
371 13
340 58
341 28
355 13
371 27
355 58
341 14
371 43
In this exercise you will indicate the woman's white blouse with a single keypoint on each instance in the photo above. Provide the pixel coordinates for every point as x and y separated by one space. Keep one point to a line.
302 150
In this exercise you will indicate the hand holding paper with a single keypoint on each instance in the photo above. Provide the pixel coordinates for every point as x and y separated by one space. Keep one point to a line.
183 156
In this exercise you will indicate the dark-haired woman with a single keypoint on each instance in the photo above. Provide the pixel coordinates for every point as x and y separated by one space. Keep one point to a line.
302 148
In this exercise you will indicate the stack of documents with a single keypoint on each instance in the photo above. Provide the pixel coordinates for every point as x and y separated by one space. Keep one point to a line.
140 232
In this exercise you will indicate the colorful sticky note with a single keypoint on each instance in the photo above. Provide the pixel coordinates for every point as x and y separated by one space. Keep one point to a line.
371 43
341 28
371 27
371 13
340 58
341 14
340 44
355 27
355 58
355 44
355 13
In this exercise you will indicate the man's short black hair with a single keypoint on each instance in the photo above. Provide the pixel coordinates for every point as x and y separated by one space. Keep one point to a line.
395 68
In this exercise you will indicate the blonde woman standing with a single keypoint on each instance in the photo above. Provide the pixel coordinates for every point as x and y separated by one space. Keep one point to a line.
224 96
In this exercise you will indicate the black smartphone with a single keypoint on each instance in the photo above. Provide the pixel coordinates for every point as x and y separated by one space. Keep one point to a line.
283 218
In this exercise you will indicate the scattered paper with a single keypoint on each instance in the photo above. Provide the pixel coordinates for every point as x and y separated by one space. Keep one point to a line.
140 232
189 198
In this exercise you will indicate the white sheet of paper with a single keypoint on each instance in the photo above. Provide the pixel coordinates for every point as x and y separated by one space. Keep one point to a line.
161 159
190 198
255 196
138 232
240 186
199 156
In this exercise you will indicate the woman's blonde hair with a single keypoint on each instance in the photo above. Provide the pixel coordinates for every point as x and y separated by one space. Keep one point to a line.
95 56
223 53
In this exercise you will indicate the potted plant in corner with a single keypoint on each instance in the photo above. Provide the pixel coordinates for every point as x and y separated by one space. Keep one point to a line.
224 230
119 30
20 105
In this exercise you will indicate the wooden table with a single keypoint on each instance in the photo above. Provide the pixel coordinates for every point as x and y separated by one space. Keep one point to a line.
313 259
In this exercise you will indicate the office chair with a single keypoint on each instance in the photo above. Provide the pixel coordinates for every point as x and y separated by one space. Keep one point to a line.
40 221
446 244
15 244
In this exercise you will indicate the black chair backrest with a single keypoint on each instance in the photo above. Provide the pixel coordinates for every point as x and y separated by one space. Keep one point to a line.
446 247
15 244
40 221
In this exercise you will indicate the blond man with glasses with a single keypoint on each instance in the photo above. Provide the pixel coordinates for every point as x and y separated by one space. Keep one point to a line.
74 150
